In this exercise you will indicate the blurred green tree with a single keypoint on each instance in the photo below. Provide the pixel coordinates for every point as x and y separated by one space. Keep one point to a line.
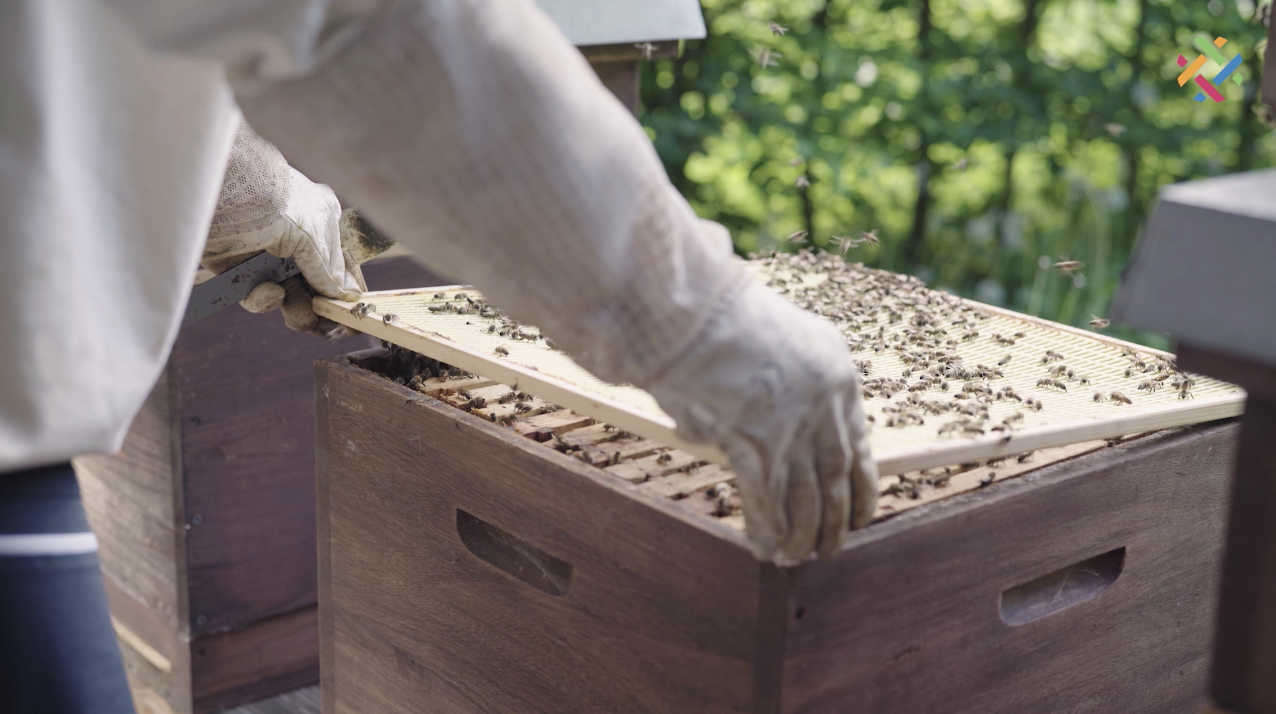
984 139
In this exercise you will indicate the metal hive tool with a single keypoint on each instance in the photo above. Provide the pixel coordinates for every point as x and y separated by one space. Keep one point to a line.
898 325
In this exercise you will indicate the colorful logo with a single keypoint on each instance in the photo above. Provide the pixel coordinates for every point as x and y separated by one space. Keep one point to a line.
1210 50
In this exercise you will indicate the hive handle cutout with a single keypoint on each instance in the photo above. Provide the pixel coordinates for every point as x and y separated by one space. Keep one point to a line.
1063 588
513 555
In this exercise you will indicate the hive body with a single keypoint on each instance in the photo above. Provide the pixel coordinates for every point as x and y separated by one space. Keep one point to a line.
468 566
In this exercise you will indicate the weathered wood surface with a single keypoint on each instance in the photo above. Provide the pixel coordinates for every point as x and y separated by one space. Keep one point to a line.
269 656
245 388
622 79
1244 660
908 620
599 54
300 701
133 505
665 610
658 613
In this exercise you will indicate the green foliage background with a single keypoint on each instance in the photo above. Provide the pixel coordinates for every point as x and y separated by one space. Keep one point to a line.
983 139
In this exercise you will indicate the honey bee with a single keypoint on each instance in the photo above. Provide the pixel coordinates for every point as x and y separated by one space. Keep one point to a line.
1051 356
1098 397
357 309
1017 335
797 237
664 458
869 237
1120 398
1058 369
1149 386
1052 384
439 296
389 317
844 243
1185 388
776 29
987 480
491 328
1067 266
802 181
501 351
647 48
1099 323
1025 457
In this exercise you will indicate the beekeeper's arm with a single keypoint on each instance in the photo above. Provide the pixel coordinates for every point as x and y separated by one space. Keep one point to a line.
478 136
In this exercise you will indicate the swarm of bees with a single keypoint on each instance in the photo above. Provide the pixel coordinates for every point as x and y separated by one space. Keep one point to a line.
926 330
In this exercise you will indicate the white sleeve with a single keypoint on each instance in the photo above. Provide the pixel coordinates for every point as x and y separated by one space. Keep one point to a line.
476 134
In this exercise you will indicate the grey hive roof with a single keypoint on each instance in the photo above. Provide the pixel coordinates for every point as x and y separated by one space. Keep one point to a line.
607 22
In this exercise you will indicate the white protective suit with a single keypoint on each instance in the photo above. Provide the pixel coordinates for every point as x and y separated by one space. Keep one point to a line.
473 132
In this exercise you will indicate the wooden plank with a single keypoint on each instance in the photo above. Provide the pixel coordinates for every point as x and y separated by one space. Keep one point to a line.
558 422
301 701
264 658
937 578
133 502
625 52
653 624
621 78
129 500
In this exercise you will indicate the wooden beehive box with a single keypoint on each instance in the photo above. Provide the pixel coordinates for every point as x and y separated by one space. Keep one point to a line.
206 519
547 564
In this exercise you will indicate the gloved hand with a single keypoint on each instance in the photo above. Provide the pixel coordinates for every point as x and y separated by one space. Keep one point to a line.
775 388
265 204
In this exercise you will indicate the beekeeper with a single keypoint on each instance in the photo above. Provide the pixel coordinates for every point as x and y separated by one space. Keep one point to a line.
473 132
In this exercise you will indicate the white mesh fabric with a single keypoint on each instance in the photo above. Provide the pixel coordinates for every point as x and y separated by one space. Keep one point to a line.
255 188
477 135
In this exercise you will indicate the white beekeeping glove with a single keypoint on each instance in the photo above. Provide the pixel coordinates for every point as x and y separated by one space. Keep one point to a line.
265 204
776 389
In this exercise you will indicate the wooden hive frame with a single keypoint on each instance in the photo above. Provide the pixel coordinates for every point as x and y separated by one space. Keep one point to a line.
533 367
669 473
